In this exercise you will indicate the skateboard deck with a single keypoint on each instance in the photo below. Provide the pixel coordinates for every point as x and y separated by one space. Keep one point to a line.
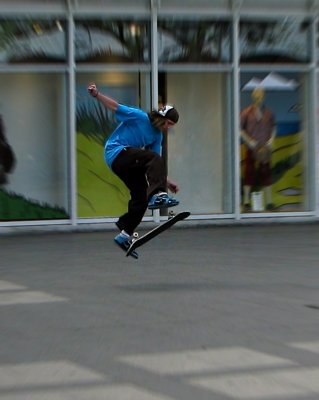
137 242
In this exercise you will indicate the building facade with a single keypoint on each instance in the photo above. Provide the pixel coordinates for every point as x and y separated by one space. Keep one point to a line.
234 155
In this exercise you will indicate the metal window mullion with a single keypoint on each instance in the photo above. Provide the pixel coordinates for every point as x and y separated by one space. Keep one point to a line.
154 54
236 94
71 121
154 72
313 179
102 68
196 68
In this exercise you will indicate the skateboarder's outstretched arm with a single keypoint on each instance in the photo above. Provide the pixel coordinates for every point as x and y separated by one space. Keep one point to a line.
107 101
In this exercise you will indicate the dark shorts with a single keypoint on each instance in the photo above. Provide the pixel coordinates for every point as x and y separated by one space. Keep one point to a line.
256 173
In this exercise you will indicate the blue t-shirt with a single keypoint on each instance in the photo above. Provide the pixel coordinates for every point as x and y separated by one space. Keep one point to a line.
135 130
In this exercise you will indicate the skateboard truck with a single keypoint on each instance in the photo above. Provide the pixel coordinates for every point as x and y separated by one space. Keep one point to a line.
171 214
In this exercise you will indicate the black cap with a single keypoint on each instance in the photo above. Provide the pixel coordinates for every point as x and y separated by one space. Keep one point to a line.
170 113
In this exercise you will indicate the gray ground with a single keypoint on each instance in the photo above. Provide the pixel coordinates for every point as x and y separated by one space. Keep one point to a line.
216 313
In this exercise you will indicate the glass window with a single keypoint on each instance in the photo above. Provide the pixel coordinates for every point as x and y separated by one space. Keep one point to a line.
105 41
32 40
199 146
193 41
35 185
275 41
100 192
274 148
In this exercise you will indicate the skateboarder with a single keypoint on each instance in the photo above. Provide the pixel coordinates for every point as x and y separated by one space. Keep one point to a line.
133 152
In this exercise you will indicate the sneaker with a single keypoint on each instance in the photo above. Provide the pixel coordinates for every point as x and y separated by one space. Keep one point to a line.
162 200
124 241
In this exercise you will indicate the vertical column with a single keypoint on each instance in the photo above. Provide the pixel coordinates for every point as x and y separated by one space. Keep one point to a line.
314 142
154 53
71 121
154 73
236 92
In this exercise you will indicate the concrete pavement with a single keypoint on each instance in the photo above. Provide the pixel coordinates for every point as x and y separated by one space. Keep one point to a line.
216 313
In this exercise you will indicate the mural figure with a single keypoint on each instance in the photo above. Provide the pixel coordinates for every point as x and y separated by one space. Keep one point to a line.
258 132
7 157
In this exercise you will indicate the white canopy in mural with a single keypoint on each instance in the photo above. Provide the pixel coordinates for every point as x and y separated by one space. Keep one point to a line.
272 81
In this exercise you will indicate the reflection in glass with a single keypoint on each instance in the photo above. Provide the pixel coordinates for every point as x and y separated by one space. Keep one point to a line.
193 41
198 155
112 41
32 40
276 41
100 193
35 128
274 131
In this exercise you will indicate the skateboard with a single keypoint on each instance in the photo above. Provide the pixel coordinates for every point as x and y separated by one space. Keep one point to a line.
139 241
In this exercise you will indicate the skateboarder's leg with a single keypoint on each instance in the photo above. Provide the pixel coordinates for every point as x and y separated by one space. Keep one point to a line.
131 170
132 218
144 173
128 222
137 205
156 173
155 170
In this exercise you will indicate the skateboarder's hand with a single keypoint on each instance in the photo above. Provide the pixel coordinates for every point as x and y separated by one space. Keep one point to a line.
172 186
92 89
